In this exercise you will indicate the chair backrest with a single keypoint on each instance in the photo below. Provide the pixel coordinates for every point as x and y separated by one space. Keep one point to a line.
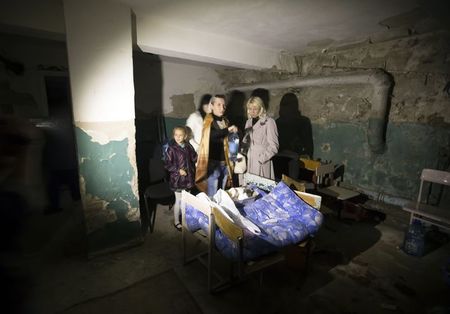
188 198
232 231
205 208
436 176
311 199
156 169
325 169
433 176
299 186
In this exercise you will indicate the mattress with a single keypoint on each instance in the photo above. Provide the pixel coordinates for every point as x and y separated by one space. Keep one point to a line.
282 217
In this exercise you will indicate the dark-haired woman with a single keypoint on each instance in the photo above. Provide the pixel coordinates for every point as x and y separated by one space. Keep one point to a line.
195 121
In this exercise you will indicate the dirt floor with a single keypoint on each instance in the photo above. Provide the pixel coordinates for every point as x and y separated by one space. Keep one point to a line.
356 267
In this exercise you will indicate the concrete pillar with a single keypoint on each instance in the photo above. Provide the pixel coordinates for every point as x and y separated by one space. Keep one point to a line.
99 44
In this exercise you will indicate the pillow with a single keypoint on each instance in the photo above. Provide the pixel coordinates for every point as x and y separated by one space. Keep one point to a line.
225 204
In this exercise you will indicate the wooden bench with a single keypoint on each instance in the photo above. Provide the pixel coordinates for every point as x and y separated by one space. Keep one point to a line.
438 216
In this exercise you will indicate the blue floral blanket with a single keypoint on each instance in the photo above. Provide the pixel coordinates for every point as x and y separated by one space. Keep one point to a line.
282 217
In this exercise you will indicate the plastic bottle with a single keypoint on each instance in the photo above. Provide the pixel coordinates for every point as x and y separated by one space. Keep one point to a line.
233 145
415 239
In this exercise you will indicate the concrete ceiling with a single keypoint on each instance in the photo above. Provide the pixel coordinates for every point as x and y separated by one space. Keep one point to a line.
284 25
243 33
264 28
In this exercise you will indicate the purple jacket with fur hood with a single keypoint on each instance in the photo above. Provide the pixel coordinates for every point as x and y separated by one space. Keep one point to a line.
181 158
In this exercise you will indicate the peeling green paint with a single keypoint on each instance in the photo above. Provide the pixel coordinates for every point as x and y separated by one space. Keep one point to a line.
375 133
171 123
107 175
409 148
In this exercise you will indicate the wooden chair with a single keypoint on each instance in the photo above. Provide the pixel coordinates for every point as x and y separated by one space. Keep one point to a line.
321 171
292 183
158 191
208 238
206 257
236 234
244 268
422 211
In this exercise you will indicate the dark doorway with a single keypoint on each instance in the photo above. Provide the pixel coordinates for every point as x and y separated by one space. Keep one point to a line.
60 161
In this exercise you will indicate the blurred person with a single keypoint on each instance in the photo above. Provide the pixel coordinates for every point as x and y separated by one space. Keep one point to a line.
17 138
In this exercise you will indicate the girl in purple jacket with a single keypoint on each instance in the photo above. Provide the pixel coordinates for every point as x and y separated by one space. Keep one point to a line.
180 163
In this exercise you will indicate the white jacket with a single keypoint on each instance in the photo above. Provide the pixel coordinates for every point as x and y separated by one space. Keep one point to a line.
195 123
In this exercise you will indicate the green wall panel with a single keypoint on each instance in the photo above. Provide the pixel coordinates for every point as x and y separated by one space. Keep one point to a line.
107 174
171 123
409 148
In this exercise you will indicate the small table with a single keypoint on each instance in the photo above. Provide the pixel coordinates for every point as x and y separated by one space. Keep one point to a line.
345 198
339 193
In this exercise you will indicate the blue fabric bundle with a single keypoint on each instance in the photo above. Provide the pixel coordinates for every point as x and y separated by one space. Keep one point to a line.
283 218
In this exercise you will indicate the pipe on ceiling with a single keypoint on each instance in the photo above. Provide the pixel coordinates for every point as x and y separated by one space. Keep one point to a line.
380 80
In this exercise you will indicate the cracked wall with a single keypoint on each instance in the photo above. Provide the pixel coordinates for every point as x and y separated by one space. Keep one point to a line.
186 84
418 131
108 182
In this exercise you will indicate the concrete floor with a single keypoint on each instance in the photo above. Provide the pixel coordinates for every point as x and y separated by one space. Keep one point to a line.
357 267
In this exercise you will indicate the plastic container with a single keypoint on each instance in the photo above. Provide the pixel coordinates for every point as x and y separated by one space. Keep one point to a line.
415 239
233 146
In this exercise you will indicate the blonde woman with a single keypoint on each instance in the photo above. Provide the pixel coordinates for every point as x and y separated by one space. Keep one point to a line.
262 139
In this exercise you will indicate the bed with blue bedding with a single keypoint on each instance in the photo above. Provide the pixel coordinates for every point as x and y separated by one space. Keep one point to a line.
281 216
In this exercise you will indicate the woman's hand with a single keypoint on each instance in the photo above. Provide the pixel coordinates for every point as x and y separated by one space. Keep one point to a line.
232 129
183 172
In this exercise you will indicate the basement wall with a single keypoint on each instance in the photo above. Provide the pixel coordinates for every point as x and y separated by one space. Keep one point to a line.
183 85
418 129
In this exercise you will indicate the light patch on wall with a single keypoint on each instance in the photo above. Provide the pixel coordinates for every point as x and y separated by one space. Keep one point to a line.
99 137
325 147
101 65
104 132
182 79
182 105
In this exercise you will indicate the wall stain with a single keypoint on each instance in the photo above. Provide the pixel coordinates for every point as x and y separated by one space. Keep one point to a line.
410 147
107 175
